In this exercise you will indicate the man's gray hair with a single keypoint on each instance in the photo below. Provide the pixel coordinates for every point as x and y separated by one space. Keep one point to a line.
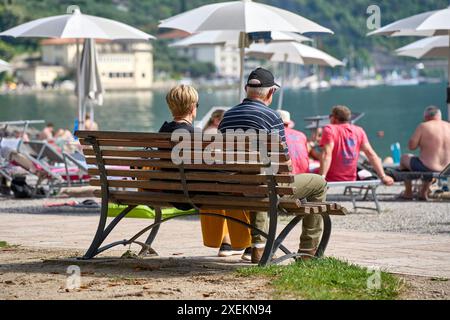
258 92
432 112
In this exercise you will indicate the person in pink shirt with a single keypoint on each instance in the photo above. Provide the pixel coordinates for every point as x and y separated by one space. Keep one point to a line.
297 144
342 143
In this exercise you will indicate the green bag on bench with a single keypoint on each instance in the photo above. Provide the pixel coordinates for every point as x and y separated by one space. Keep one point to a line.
144 212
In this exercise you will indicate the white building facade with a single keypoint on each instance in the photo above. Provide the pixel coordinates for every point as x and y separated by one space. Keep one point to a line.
224 58
123 65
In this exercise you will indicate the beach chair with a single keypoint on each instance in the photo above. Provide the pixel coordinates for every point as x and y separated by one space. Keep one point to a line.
59 167
402 176
79 161
360 191
317 122
4 171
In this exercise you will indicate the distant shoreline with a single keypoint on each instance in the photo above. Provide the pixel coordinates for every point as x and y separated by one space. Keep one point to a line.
169 85
154 89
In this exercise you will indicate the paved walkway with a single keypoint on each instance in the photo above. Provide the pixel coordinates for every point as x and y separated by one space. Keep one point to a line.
395 252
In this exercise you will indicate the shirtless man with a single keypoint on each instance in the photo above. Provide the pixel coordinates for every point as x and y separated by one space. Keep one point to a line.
433 139
47 133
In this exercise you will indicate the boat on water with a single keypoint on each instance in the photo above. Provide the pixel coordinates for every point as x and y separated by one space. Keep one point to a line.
402 82
204 121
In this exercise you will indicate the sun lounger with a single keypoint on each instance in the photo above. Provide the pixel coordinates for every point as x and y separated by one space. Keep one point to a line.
4 172
79 161
360 190
5 165
401 176
61 171
322 121
45 152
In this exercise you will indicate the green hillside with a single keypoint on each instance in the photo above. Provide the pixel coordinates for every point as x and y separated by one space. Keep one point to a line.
346 18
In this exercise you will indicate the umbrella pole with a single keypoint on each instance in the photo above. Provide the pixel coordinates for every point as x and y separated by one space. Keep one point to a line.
448 82
243 43
241 76
79 102
281 98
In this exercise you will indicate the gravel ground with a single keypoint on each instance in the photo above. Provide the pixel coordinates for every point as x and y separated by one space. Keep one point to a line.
397 216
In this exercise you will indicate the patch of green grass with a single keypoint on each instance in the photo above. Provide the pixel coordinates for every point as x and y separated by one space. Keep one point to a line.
326 279
4 244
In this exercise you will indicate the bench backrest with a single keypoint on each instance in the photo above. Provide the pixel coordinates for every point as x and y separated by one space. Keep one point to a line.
233 175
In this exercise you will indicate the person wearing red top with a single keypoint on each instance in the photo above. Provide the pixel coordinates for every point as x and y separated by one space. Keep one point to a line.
297 143
342 143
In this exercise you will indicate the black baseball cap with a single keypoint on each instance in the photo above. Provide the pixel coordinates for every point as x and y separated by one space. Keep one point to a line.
264 77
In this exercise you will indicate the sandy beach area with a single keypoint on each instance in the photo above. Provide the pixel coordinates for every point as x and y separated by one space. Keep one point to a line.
409 239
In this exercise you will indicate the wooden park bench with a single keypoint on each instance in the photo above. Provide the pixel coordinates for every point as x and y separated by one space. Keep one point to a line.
243 181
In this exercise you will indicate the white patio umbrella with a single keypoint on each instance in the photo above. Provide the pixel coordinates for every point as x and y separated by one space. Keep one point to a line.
4 66
76 25
432 47
292 52
245 17
91 88
432 23
230 38
425 24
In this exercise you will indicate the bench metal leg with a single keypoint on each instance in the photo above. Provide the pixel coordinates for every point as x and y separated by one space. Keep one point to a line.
135 238
151 238
98 238
272 246
327 226
322 246
273 216
103 233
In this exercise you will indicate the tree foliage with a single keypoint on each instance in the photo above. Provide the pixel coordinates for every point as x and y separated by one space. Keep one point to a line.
346 18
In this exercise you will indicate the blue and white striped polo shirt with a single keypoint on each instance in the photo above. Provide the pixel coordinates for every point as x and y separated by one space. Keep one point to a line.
252 114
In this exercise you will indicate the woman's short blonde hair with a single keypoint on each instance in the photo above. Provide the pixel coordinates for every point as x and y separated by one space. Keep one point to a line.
180 100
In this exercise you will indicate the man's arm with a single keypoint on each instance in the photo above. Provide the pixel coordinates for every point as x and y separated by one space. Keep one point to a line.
376 163
414 142
327 157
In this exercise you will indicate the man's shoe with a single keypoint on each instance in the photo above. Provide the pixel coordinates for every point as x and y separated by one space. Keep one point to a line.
306 254
247 255
257 254
227 251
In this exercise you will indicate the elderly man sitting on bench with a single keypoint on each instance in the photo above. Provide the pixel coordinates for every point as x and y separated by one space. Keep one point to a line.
432 138
254 113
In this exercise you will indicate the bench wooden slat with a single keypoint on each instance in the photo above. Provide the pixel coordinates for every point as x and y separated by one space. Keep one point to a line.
166 164
206 138
214 202
131 144
195 187
123 135
167 144
194 176
240 201
161 154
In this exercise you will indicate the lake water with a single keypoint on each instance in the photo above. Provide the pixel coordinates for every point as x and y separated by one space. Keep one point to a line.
394 110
